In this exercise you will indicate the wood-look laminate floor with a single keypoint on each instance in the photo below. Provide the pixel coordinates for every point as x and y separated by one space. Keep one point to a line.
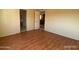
38 40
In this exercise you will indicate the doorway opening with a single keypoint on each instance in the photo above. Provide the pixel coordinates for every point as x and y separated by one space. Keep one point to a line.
42 20
22 20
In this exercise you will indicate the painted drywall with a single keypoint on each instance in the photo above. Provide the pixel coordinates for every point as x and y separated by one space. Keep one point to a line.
63 22
37 19
30 20
0 22
10 23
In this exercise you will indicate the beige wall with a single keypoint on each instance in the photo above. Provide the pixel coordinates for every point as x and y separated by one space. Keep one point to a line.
30 20
63 22
37 19
0 22
10 23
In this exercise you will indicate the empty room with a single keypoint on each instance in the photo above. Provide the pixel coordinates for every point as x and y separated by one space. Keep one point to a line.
39 29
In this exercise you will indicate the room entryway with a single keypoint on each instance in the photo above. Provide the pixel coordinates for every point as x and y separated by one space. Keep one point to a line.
22 20
42 19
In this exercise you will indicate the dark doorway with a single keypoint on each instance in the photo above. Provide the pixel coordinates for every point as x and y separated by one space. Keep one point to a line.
22 20
42 21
